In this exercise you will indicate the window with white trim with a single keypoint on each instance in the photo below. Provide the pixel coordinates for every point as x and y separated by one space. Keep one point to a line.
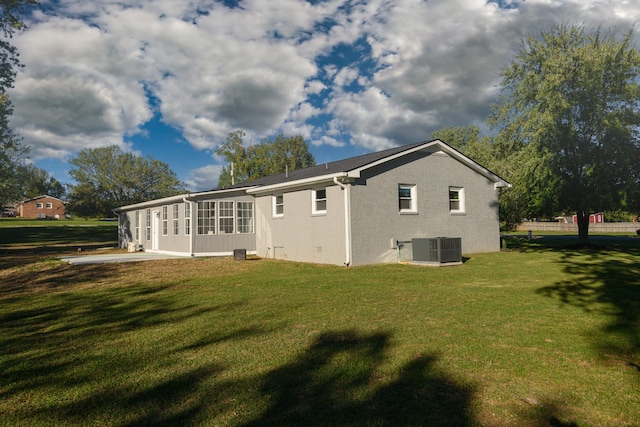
165 220
39 205
278 205
407 198
206 217
244 217
49 205
456 200
319 201
187 218
176 219
136 221
148 225
226 218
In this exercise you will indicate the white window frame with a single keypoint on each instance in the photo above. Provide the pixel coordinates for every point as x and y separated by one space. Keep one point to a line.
39 205
456 204
176 219
136 221
226 217
49 205
187 218
206 217
165 220
148 225
413 198
317 201
277 202
244 218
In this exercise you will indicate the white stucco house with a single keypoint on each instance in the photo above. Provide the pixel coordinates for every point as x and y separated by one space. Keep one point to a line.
355 211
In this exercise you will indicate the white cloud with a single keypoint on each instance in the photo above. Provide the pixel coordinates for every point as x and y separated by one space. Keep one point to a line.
204 178
327 140
303 112
77 88
438 65
91 66
292 128
314 87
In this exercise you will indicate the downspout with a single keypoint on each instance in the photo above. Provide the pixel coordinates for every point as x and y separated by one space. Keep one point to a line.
347 221
184 199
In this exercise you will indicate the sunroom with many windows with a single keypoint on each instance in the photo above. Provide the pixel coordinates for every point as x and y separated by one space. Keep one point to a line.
231 217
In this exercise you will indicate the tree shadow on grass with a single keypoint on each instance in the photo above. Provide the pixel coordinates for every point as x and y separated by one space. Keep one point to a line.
63 345
605 280
329 384
561 242
11 257
68 234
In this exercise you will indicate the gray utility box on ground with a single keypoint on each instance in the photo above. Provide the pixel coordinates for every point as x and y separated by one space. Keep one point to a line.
239 254
437 249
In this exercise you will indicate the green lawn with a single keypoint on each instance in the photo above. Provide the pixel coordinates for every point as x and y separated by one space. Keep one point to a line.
34 232
539 334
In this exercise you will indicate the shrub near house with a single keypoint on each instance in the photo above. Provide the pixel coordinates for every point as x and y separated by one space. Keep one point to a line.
41 207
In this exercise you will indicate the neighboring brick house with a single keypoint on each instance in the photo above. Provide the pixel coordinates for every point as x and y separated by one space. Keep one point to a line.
41 207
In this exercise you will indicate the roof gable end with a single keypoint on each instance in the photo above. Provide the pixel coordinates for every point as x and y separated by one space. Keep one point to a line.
41 197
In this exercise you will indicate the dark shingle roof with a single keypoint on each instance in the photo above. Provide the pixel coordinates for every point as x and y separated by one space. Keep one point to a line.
331 168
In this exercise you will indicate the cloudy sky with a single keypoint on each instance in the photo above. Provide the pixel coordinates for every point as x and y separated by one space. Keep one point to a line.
171 78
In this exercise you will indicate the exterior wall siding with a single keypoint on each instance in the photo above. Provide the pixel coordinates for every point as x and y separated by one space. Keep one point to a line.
376 219
216 244
171 242
299 235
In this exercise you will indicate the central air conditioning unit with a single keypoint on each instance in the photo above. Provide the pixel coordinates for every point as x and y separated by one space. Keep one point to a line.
440 250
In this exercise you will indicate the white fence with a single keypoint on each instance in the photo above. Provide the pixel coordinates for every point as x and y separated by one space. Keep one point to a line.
605 227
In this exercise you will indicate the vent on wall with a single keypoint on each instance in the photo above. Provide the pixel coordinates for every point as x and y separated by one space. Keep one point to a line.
437 250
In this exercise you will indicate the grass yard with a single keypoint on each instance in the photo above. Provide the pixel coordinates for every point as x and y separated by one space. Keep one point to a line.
540 334
64 232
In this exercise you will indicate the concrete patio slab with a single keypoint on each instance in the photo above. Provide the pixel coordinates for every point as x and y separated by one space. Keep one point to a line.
122 257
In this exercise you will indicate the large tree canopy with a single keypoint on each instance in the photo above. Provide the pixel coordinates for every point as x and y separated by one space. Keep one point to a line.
11 151
108 178
569 118
269 157
36 182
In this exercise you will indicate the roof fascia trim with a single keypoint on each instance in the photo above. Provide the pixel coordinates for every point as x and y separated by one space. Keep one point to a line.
179 198
300 183
42 196
498 182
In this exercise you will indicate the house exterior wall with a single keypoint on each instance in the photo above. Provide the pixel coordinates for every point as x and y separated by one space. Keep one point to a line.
31 209
376 219
300 235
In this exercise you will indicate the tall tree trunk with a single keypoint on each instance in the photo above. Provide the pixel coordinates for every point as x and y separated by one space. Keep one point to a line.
583 228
